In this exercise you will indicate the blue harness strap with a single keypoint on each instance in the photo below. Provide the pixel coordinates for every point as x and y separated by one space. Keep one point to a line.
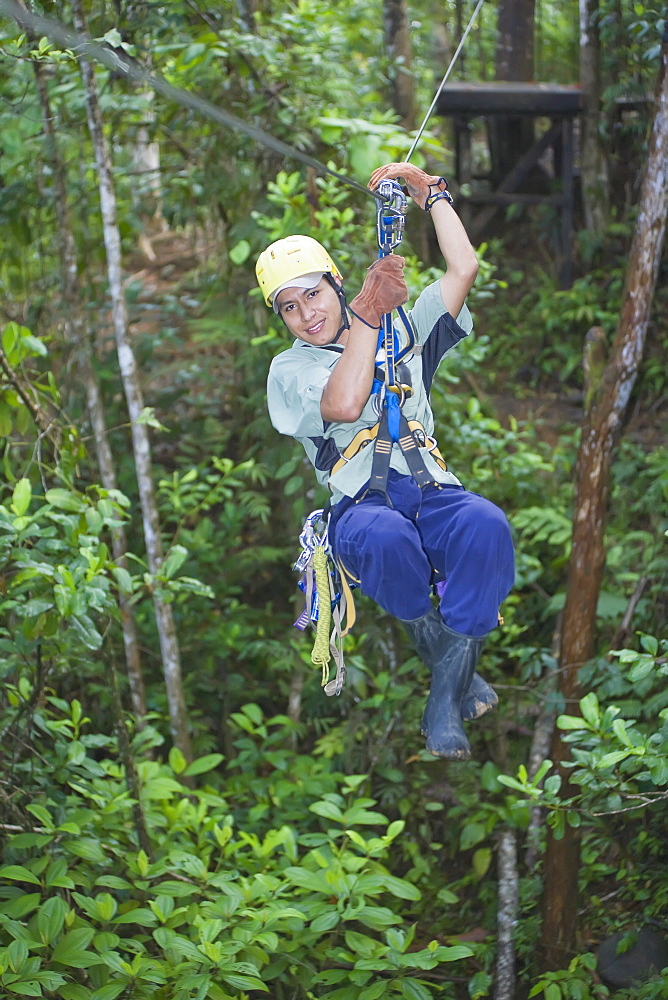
393 427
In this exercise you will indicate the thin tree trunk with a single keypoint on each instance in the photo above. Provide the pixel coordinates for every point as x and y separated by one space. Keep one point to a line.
398 44
593 161
140 440
608 388
77 334
504 982
541 740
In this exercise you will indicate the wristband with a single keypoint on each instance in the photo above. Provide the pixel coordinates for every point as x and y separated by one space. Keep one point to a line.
362 320
441 192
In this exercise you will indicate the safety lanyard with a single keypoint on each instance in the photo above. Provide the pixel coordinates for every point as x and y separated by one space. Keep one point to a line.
390 394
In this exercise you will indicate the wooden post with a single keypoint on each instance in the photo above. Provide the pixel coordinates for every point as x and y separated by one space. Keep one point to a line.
566 222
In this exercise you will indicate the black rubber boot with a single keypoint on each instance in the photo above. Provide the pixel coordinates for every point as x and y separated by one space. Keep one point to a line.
480 697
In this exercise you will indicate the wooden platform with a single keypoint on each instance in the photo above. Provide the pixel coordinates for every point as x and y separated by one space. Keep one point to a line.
478 203
509 98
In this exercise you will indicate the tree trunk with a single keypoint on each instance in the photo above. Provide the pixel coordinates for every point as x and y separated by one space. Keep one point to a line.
607 392
512 135
506 921
140 440
398 44
76 334
593 160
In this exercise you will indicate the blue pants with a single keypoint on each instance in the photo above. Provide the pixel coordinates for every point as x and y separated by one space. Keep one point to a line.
392 552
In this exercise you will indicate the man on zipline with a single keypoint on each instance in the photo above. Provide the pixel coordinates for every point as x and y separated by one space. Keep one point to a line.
401 530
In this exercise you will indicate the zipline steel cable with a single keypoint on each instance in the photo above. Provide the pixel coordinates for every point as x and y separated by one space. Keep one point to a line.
444 80
55 31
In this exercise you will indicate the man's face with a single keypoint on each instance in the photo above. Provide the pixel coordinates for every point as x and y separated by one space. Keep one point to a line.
311 314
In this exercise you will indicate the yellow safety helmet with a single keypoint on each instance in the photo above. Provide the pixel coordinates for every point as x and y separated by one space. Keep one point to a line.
289 259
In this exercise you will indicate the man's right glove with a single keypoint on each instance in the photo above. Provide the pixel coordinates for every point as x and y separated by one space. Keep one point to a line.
383 290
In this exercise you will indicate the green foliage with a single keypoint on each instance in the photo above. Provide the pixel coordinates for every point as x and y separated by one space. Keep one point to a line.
618 764
578 982
328 857
207 905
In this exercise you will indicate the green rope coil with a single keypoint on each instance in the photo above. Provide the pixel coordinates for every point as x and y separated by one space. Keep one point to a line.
321 654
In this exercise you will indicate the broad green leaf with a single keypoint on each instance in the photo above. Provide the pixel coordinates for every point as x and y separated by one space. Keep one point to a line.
21 497
21 905
327 921
17 953
51 918
176 557
113 882
122 578
413 990
471 834
362 944
18 874
110 991
244 982
65 500
204 764
140 916
57 877
177 761
609 759
73 991
374 991
315 881
86 631
375 917
367 817
590 709
25 988
482 859
71 949
570 722
619 729
240 252
328 810
86 848
401 888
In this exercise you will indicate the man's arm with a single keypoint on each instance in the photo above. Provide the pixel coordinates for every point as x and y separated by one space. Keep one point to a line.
460 259
348 387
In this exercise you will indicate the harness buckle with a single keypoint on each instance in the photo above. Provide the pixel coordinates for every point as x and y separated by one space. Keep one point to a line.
401 390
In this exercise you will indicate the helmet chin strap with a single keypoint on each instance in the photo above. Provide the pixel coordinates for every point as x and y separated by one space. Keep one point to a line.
340 291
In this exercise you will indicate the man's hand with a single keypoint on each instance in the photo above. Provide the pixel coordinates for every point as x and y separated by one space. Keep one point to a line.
383 290
422 187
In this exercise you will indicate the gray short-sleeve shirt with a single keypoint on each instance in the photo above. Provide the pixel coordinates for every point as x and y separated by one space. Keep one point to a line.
298 376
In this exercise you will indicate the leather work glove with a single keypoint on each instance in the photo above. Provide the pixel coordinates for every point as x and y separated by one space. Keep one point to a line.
383 290
423 188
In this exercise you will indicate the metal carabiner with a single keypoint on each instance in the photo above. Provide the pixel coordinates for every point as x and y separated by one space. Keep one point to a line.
391 216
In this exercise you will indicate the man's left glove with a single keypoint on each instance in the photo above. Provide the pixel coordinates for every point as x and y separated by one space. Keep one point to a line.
425 189
383 290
